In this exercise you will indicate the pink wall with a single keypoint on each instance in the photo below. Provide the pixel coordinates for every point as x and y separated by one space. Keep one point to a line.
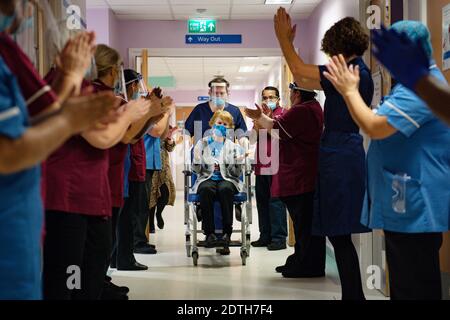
171 34
323 17
98 20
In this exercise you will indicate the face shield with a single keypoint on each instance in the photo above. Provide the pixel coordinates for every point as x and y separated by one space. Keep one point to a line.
22 27
142 88
219 95
120 88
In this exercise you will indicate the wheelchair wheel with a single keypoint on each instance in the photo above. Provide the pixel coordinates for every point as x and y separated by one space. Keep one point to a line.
244 256
195 258
188 246
188 251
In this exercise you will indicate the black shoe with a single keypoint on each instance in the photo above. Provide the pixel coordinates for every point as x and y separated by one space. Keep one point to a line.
136 266
224 241
280 269
109 285
238 211
113 265
260 243
145 250
290 263
159 221
224 251
275 246
300 274
211 241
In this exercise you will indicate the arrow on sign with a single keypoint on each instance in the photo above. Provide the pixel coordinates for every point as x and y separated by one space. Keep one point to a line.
211 26
190 39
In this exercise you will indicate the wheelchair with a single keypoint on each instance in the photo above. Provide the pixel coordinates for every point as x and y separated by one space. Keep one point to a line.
242 209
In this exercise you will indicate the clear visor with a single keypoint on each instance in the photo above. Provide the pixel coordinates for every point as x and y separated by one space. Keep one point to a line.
219 94
121 89
23 29
143 91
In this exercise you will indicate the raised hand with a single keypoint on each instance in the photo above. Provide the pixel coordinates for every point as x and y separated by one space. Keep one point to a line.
254 114
156 93
137 109
283 26
406 60
76 56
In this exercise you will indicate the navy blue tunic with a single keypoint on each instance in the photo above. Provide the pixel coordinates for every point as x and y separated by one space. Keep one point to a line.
342 173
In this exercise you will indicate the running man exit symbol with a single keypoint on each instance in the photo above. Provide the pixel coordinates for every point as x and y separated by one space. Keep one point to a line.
201 26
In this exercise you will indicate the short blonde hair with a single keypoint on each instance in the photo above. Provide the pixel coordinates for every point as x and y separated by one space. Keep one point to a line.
225 116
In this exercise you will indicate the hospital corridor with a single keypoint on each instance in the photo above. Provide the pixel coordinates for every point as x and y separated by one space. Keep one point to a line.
225 158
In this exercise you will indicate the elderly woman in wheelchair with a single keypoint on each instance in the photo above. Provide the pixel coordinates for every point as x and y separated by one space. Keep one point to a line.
218 162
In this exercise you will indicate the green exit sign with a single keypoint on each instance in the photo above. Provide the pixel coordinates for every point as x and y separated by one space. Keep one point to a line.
202 26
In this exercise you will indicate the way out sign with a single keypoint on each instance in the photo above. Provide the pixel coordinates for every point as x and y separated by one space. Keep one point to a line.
201 26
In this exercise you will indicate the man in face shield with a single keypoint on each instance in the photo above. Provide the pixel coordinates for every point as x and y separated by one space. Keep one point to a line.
198 121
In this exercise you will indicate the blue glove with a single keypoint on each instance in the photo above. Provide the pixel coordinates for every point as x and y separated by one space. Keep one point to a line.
406 61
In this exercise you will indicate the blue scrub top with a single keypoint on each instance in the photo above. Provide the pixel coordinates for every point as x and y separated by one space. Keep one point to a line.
203 113
420 149
152 152
21 210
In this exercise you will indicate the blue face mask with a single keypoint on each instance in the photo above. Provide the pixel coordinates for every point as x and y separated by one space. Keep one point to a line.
272 105
220 130
6 21
219 102
136 96
25 25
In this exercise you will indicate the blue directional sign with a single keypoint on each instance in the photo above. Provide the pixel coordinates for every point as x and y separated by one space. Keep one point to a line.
213 39
203 98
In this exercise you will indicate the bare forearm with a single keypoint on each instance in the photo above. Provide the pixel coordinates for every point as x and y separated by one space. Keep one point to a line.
436 95
34 146
136 128
63 86
307 76
159 128
166 132
264 122
110 136
377 127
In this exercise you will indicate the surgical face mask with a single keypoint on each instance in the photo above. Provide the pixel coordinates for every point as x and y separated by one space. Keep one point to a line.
218 102
25 25
220 130
272 105
6 21
136 96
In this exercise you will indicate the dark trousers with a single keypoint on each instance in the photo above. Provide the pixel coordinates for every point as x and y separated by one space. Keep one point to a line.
348 266
161 203
122 255
272 216
141 217
414 270
309 256
224 191
75 240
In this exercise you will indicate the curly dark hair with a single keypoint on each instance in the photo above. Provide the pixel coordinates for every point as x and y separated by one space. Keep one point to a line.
346 37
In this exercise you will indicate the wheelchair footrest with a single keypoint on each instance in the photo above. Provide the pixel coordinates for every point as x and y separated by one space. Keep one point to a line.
232 244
